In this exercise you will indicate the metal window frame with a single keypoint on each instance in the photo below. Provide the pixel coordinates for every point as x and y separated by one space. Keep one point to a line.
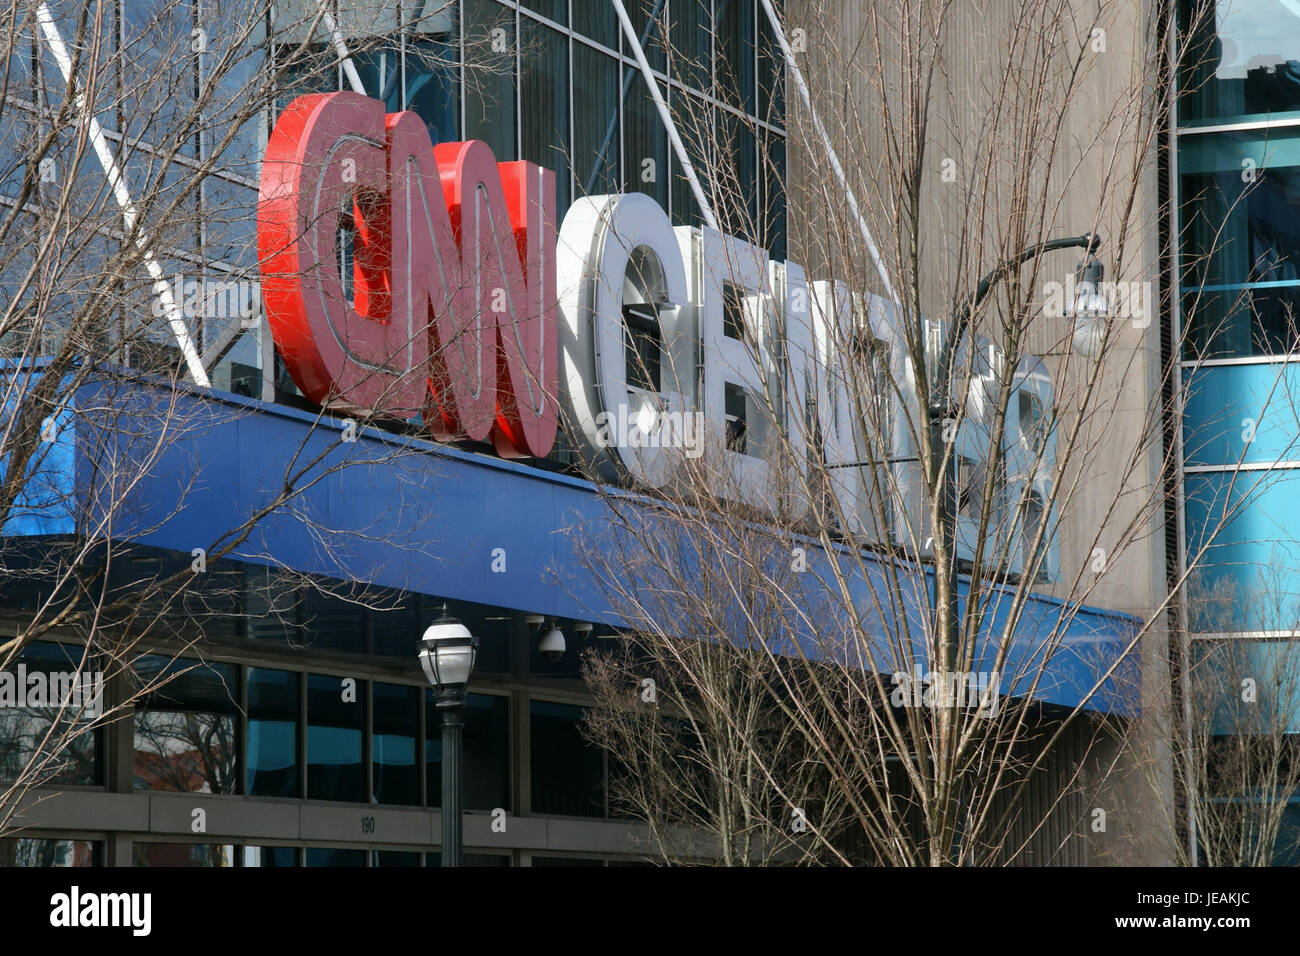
1243 126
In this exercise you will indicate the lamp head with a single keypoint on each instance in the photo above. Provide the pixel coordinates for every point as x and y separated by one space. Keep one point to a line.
447 654
1089 310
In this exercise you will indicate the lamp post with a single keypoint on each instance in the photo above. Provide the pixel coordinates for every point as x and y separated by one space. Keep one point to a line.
1088 310
447 653
941 407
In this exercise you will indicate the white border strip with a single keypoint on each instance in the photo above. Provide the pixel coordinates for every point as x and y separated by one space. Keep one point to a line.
1274 359
1232 469
1246 636
1288 122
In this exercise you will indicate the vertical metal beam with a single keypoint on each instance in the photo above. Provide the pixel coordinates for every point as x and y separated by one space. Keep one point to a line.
706 211
836 168
1180 616
130 214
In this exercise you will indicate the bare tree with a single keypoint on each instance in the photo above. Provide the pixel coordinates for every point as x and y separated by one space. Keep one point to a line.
948 431
1234 749
131 138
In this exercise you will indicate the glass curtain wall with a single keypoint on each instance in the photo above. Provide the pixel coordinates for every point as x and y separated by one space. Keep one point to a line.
1238 192
1237 182
186 86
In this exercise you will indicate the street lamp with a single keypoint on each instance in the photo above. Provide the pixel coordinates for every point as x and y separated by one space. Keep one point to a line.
447 653
1089 308
1087 312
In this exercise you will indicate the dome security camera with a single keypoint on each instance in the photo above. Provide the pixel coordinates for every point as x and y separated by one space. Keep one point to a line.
551 644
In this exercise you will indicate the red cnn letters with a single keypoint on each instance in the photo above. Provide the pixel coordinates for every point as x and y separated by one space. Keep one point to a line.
452 312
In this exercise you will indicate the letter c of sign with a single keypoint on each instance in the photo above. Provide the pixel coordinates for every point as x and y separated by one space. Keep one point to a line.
325 163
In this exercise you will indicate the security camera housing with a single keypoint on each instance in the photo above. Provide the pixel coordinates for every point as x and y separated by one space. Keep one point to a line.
551 644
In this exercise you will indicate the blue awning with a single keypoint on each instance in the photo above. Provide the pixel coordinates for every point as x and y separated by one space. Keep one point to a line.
188 466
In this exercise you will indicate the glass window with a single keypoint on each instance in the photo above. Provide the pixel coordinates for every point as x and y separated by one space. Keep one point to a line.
185 725
335 718
771 73
334 621
470 859
47 702
691 42
642 344
294 20
544 104
1240 60
230 236
1034 515
159 73
736 409
171 192
433 73
735 52
237 102
597 21
645 141
38 852
772 183
579 861
1033 421
273 701
270 856
370 28
493 626
737 169
490 77
557 10
18 136
694 122
183 854
1217 667
303 70
1217 400
395 858
272 606
733 312
431 16
1241 240
1286 851
394 624
240 373
396 710
378 65
1248 578
567 774
304 61
485 739
329 856
18 63
595 125
647 18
